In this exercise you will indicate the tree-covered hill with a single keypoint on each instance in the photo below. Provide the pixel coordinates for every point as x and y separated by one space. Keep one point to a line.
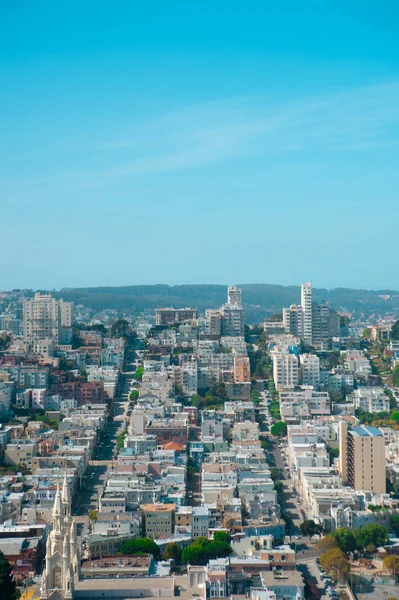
260 300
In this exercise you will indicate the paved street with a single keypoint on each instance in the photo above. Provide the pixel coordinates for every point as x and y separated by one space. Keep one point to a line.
105 453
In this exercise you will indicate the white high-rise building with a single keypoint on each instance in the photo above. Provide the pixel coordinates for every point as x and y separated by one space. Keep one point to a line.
310 370
234 296
306 303
44 316
285 369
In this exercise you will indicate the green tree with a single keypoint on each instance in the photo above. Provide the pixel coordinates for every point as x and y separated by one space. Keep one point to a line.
120 328
200 551
120 440
134 395
141 546
93 515
278 486
345 539
335 563
174 552
332 453
222 536
371 534
309 527
395 331
395 376
8 589
139 373
395 523
394 415
275 473
279 429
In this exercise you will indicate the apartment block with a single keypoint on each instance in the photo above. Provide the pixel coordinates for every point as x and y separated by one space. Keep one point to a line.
242 371
285 369
43 317
310 370
306 303
169 316
362 457
158 520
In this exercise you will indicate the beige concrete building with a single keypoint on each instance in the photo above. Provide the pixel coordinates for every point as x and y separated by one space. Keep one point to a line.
362 457
158 520
44 316
242 371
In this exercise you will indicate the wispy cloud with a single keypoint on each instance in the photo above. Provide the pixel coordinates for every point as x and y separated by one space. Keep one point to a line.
357 120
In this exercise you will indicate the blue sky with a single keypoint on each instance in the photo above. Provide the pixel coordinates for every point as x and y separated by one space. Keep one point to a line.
199 142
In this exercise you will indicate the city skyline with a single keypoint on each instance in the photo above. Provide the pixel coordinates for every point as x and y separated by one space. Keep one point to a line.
134 133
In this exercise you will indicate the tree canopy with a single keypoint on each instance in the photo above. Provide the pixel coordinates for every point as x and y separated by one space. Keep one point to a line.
279 429
395 331
7 584
375 535
120 328
141 546
222 536
203 549
309 527
335 564
345 539
172 551
326 543
391 564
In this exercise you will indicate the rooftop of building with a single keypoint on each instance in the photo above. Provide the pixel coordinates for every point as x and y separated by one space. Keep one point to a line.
366 431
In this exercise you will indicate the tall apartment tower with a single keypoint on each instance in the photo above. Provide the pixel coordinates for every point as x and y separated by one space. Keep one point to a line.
234 296
362 457
306 303
44 316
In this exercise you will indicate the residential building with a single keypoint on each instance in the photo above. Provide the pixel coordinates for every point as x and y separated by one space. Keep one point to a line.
169 316
362 457
213 322
306 303
285 369
158 520
310 370
43 317
242 371
232 320
234 296
370 399
325 326
293 320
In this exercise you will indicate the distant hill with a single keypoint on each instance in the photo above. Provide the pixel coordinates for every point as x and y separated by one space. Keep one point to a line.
260 299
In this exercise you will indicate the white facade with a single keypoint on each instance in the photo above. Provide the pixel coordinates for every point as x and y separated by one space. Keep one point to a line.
44 316
189 378
234 296
310 370
370 399
285 369
306 303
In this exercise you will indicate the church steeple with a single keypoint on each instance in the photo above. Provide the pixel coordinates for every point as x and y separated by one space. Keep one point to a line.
66 496
58 511
62 559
